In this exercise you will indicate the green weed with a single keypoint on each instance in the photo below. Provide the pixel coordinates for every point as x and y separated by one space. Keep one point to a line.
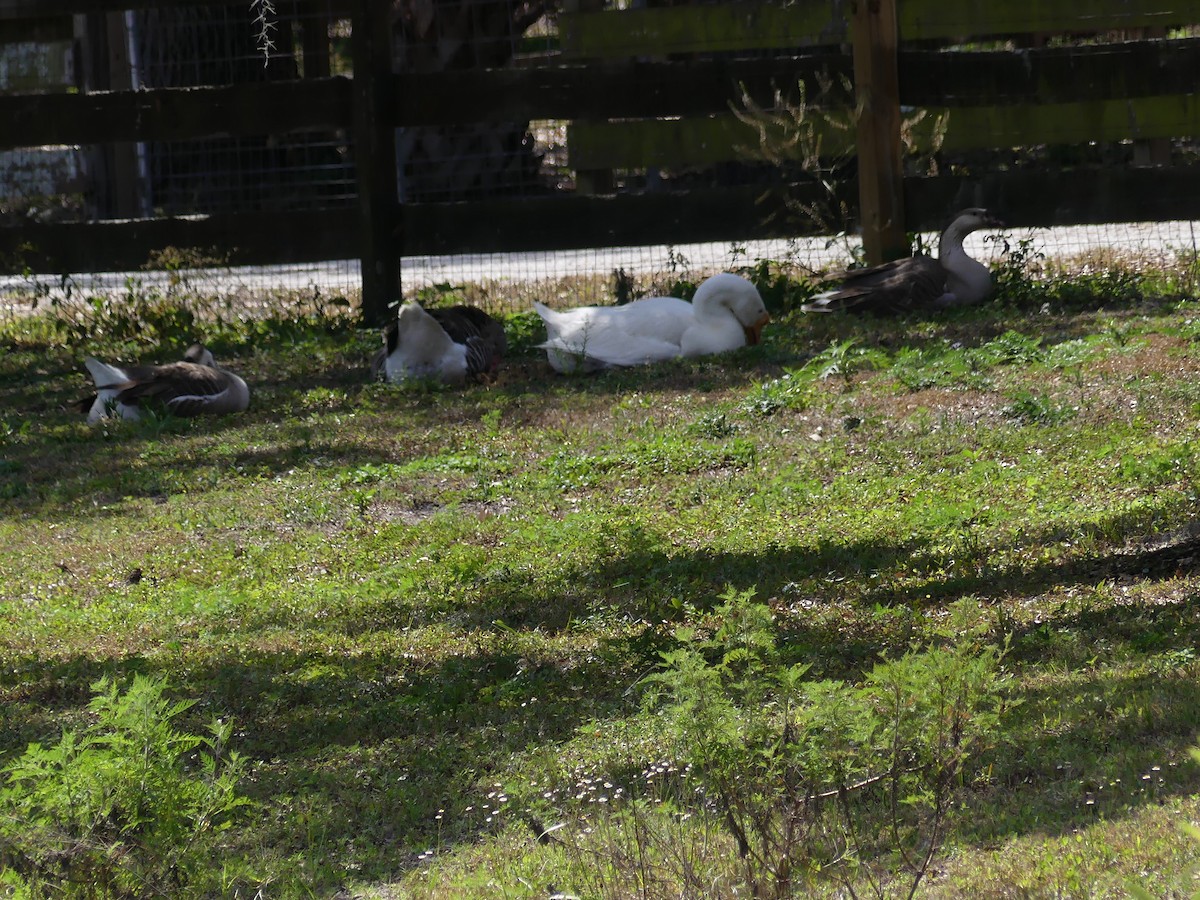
129 806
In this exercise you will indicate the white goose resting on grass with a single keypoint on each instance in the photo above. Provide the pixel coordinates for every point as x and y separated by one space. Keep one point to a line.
192 387
450 344
726 313
917 282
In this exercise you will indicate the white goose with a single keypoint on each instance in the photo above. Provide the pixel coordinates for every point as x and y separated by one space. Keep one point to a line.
953 279
727 312
459 343
192 387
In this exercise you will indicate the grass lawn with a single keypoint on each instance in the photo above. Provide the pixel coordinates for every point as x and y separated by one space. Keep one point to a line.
429 614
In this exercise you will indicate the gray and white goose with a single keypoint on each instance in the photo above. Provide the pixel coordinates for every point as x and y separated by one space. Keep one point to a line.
448 344
918 282
194 386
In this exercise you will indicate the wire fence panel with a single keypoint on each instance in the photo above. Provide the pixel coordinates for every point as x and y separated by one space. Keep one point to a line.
621 100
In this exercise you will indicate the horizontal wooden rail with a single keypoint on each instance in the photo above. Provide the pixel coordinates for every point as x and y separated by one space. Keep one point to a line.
244 239
622 89
1053 197
967 19
53 29
165 114
1023 199
701 29
32 9
758 25
487 226
635 144
1049 74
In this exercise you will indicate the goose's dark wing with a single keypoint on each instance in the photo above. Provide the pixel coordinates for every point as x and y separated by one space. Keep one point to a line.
897 286
480 358
464 322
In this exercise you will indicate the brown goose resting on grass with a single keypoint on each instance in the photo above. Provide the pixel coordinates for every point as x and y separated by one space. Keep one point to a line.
917 282
193 387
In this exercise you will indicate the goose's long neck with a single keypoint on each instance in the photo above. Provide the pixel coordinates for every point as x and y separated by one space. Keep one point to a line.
950 246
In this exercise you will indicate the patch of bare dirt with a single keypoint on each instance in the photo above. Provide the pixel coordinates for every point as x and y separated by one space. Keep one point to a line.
414 513
961 406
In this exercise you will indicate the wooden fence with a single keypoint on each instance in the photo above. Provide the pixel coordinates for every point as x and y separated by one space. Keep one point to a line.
654 87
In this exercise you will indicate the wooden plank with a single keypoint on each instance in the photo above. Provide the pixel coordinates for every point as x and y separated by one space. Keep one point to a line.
493 226
694 29
937 20
638 88
621 220
374 147
246 238
1049 75
32 9
602 90
636 144
274 107
756 25
700 142
1137 118
29 9
1023 198
45 30
1053 197
877 88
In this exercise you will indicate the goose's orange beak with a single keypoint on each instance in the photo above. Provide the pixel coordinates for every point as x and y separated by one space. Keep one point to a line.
754 332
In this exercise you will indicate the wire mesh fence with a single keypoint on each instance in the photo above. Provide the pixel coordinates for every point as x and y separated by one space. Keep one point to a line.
509 282
219 44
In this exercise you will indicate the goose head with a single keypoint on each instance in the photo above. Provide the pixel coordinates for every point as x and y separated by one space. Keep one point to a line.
736 295
200 355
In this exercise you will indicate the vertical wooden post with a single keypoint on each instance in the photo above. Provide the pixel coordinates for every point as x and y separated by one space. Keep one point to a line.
877 92
587 181
375 158
112 167
314 42
1152 151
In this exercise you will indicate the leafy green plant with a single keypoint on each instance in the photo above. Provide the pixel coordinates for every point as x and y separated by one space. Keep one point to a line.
938 365
1034 408
1113 285
843 359
792 390
810 777
1010 348
524 331
127 807
1019 274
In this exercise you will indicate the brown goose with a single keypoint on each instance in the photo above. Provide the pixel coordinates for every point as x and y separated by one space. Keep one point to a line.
953 279
448 344
192 387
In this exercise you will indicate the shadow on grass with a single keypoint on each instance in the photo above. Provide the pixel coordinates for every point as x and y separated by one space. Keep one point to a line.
357 754
1089 747
353 756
